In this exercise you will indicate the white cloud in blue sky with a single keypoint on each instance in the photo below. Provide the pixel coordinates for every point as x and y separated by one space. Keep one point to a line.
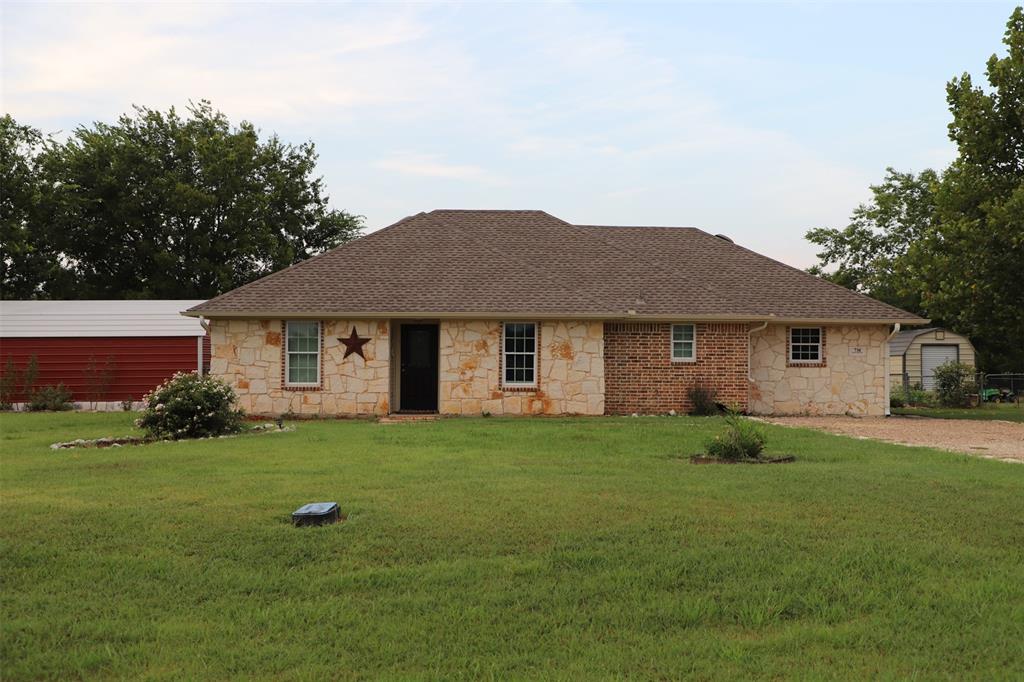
758 121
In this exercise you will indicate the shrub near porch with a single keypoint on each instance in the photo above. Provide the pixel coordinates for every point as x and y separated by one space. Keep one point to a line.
504 548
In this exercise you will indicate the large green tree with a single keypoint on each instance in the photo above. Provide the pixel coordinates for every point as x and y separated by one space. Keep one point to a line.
950 245
24 260
161 205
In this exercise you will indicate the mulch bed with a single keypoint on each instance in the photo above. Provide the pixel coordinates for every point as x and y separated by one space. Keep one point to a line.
702 459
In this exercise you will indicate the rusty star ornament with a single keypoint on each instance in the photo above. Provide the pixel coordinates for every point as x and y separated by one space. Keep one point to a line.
353 344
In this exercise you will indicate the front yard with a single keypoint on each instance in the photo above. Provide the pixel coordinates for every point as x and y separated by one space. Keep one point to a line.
504 548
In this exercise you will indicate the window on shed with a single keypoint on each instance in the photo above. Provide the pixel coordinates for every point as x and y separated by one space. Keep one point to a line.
302 353
684 343
520 354
805 344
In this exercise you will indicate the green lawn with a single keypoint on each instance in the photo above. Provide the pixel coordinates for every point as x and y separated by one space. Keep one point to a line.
504 548
1005 411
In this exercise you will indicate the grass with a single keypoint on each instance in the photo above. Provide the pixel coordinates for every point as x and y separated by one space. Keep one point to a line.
1005 411
504 548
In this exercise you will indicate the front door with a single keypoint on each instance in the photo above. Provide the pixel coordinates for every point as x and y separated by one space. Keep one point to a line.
418 388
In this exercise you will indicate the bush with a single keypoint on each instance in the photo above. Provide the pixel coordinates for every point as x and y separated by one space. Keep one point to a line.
742 440
8 384
953 384
50 398
915 396
703 400
896 398
190 406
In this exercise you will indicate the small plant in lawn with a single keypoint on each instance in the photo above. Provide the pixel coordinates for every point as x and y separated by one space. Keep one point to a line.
190 406
742 439
703 400
953 384
50 398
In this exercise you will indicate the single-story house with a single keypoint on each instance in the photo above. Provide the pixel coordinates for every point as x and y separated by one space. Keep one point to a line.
915 353
105 352
519 312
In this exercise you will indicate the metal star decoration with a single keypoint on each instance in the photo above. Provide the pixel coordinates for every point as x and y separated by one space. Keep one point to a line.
353 344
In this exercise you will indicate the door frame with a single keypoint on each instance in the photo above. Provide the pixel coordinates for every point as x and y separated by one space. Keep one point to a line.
396 365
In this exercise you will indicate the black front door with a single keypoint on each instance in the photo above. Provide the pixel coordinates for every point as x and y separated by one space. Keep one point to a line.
419 367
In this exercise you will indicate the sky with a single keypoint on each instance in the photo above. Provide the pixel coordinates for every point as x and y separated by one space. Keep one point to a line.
758 121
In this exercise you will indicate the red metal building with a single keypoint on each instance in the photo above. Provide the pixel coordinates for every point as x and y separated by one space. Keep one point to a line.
103 351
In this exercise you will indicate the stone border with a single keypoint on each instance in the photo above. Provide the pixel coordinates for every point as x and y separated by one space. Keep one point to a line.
704 459
116 442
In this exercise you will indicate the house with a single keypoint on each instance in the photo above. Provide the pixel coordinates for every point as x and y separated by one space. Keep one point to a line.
915 353
519 312
105 352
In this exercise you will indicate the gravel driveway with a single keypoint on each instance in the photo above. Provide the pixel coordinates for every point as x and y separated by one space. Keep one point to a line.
993 439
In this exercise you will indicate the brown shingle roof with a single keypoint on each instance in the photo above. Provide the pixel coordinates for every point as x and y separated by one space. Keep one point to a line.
507 263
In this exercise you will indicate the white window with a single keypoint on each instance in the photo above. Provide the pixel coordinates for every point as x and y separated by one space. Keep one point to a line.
520 354
684 343
805 344
302 353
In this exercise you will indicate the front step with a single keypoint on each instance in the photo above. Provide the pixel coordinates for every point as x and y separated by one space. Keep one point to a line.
398 418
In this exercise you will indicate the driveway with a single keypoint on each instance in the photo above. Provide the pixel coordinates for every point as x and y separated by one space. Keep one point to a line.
992 439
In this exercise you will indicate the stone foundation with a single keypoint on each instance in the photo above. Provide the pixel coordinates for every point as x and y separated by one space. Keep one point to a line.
570 372
249 355
850 381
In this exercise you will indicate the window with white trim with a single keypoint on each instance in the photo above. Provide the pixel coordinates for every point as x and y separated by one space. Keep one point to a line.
805 344
519 359
684 343
302 353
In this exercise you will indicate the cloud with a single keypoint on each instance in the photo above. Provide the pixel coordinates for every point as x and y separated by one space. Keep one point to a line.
428 166
253 61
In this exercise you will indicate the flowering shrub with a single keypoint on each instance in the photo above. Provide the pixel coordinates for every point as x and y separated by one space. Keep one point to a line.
190 406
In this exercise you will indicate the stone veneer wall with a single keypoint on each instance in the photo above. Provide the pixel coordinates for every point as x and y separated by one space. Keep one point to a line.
641 376
570 370
248 354
852 380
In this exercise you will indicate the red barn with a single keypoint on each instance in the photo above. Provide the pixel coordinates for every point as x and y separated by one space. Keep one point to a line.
105 352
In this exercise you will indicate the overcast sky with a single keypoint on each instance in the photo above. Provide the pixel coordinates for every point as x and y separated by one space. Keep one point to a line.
757 121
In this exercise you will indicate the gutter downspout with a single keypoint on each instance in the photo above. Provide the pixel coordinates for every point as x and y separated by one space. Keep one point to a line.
750 376
205 324
888 376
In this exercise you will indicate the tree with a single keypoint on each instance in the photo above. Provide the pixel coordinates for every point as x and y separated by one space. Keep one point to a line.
871 252
950 246
24 260
164 206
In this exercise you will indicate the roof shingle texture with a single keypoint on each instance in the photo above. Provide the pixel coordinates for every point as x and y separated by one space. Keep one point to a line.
529 262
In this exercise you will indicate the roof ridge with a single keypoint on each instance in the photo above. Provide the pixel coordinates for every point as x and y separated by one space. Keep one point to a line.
523 264
636 227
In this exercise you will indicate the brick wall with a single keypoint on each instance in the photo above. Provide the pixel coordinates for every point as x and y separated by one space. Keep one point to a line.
641 377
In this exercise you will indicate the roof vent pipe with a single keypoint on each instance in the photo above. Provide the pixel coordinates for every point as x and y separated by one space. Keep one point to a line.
723 237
